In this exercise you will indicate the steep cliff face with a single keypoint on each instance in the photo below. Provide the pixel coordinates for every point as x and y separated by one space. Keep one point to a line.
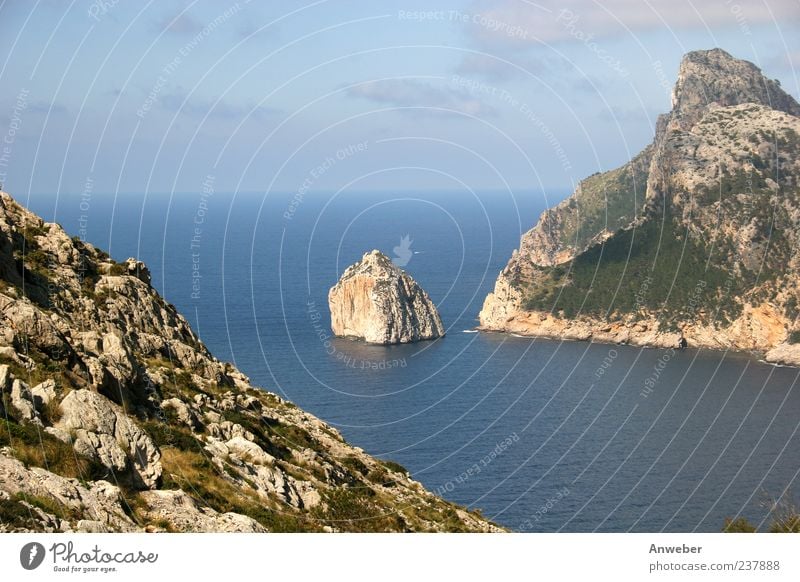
376 301
697 235
115 417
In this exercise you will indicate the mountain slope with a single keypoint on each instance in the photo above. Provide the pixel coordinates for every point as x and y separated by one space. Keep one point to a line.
697 236
115 417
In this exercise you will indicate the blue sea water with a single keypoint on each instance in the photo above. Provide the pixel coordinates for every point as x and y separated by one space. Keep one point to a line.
540 435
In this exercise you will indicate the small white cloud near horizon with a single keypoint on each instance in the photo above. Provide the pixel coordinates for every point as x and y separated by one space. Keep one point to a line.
422 96
547 21
494 68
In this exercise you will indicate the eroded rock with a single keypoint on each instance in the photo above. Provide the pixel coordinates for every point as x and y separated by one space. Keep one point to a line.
104 432
378 302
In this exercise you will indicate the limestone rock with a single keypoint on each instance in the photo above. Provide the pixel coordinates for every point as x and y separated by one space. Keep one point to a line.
103 431
728 148
138 269
43 394
715 76
134 374
249 451
376 301
184 514
101 502
22 400
184 412
784 353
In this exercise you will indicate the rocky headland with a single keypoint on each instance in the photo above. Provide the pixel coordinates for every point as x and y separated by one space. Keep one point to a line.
115 417
376 301
697 237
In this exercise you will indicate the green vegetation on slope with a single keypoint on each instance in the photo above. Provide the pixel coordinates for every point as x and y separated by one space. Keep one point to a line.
647 268
609 200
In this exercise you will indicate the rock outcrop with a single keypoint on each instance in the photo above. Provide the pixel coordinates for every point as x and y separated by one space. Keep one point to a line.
99 429
378 302
697 236
114 417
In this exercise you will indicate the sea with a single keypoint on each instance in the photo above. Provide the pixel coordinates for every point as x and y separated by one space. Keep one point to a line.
540 435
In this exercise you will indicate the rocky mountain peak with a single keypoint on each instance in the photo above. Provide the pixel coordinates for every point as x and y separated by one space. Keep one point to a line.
714 76
380 303
696 237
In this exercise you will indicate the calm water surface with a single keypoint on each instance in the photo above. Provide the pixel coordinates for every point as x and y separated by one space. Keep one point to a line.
541 435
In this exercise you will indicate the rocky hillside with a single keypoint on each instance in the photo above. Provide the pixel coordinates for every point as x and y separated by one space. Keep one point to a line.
115 417
697 236
378 302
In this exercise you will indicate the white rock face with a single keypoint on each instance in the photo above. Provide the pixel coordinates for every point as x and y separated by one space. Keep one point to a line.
102 337
784 353
184 514
99 503
378 302
722 108
103 431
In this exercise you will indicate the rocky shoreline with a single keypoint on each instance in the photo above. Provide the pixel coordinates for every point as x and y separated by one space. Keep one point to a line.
696 239
114 417
638 333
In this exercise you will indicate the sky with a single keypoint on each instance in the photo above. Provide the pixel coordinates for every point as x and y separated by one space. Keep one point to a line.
362 96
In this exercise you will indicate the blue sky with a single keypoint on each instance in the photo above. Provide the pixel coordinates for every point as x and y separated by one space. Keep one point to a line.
134 96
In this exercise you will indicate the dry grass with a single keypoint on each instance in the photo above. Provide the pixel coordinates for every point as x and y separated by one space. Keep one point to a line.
36 448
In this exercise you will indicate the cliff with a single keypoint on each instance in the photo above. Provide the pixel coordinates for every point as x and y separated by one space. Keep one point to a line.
115 417
376 301
697 236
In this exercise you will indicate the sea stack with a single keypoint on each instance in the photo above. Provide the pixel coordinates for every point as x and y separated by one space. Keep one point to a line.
378 302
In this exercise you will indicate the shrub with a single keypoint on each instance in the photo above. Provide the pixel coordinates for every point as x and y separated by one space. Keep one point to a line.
785 516
15 514
354 509
168 435
738 525
786 524
196 474
396 467
607 278
355 465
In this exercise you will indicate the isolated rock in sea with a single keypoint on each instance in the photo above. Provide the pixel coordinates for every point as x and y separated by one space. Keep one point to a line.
103 380
380 303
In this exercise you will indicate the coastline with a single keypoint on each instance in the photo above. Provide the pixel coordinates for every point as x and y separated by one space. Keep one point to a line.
641 333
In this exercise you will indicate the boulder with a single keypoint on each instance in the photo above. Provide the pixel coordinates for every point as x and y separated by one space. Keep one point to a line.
104 432
183 412
785 353
43 394
100 503
138 269
22 400
184 514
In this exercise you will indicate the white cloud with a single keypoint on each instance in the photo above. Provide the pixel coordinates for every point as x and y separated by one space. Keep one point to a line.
521 22
214 109
181 23
415 93
496 69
